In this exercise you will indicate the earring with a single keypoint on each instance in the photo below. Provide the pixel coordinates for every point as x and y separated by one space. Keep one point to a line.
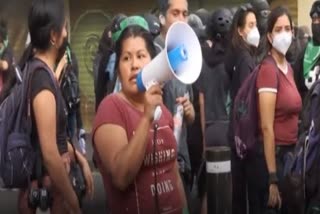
52 43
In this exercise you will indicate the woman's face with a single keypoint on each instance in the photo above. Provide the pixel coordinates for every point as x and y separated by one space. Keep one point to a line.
281 25
134 56
250 23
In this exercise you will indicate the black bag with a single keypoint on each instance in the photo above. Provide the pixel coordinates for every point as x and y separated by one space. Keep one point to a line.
17 153
70 88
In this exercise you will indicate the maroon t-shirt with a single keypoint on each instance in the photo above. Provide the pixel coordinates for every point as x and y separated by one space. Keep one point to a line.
288 104
139 196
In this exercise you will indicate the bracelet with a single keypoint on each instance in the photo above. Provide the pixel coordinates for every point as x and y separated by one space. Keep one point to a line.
273 178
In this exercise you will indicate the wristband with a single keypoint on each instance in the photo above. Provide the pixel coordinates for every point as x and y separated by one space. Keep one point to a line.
273 178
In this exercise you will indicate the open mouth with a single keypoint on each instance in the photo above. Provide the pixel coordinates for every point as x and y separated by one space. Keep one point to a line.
133 78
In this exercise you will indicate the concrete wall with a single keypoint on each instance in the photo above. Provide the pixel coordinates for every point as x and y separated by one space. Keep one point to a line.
304 7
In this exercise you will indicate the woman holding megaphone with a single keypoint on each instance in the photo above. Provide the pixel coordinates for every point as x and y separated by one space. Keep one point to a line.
136 155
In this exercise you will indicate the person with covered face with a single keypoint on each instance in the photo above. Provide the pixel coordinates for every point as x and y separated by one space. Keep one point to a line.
307 66
279 105
47 27
239 63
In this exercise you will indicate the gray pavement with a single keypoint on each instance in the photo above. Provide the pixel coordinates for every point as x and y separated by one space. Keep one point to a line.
8 199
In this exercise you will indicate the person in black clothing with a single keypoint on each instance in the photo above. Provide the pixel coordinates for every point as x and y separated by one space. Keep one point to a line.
240 62
214 87
7 74
47 27
307 66
262 10
104 79
67 72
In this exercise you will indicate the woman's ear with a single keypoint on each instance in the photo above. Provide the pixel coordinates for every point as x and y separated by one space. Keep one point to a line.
53 38
269 37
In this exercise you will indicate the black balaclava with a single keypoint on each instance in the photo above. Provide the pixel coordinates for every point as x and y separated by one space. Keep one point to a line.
315 13
262 9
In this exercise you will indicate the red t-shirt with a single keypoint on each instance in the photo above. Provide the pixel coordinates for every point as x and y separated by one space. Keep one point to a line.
288 103
139 196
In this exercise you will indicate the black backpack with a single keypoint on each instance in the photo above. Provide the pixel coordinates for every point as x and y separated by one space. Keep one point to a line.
17 155
70 88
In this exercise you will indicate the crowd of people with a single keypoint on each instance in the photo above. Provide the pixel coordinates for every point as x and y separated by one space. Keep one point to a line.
145 166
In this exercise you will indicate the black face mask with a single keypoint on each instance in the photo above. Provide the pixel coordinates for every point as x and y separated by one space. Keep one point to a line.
316 34
62 50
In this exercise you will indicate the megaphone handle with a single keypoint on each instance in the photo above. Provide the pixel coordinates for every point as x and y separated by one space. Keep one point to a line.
157 113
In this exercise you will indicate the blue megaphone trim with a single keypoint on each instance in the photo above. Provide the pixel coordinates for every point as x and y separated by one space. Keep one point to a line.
177 56
139 82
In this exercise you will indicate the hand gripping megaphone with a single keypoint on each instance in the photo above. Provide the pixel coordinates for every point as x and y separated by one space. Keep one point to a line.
180 59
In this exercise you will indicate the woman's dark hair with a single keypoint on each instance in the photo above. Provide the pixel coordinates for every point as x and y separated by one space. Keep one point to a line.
272 19
45 16
134 31
239 21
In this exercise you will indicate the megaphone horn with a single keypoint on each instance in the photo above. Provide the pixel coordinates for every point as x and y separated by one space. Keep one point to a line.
180 59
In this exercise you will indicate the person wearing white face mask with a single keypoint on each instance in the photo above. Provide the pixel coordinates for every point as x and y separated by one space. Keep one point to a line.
279 105
240 62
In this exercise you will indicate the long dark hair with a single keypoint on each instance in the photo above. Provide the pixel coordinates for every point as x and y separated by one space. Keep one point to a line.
239 21
44 17
134 31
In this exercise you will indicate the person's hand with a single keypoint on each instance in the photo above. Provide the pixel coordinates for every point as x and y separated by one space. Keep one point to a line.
274 196
88 178
187 107
152 99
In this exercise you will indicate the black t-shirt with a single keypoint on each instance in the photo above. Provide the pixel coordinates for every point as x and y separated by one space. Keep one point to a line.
42 80
215 85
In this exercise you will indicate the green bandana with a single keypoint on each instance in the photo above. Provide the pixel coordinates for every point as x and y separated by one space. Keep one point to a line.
311 57
129 21
5 45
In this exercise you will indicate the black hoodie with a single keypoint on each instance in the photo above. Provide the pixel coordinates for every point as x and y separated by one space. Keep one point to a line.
214 83
239 64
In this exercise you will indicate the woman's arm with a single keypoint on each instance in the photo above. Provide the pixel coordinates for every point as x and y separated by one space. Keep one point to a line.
85 169
44 106
121 158
267 102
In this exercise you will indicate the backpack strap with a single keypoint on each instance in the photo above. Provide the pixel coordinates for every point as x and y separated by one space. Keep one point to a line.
271 60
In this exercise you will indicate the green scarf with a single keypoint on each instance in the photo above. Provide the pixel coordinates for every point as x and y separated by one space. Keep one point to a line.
311 57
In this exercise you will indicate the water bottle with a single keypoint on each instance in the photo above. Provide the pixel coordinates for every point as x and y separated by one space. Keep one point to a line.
178 121
82 141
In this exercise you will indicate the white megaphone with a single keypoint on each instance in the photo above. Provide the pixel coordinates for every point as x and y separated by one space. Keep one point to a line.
180 59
